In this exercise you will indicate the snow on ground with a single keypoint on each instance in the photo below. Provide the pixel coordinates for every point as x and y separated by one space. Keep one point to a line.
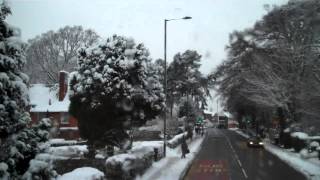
309 168
84 173
172 167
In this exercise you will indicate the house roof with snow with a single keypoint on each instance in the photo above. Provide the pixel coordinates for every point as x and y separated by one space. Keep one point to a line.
208 112
45 99
50 99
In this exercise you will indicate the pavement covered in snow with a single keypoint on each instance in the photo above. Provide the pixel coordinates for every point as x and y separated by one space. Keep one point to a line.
172 167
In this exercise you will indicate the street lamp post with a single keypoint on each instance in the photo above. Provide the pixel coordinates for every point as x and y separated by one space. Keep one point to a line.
165 82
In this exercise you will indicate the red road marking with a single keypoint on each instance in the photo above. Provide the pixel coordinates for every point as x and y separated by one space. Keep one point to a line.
209 170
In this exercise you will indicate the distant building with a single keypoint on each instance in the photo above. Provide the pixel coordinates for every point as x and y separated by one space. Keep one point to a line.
221 119
208 115
53 102
232 123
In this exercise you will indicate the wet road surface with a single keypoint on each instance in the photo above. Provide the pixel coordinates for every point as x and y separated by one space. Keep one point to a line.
224 155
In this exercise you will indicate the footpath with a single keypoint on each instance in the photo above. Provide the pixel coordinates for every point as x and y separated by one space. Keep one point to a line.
173 167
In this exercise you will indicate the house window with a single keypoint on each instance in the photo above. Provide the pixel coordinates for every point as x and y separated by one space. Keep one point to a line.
64 118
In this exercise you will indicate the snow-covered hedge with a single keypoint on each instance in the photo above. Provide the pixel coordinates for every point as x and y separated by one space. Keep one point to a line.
40 169
76 151
84 173
176 140
300 135
127 166
299 140
304 153
139 158
63 142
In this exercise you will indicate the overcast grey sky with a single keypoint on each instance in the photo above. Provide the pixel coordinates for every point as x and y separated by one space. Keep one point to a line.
207 32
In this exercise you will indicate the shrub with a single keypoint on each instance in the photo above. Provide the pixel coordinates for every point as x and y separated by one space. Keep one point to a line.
299 141
287 140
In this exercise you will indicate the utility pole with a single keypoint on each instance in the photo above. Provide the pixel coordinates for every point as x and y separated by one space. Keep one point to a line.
218 112
165 82
165 90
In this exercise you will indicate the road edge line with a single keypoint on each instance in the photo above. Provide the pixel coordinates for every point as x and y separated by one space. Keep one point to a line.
237 158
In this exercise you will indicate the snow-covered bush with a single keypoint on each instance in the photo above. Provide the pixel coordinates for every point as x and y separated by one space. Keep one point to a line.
39 170
300 135
76 151
84 173
4 171
139 158
176 140
299 140
127 166
314 145
114 88
19 143
304 153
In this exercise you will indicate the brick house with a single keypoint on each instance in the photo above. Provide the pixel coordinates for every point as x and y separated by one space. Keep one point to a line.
53 102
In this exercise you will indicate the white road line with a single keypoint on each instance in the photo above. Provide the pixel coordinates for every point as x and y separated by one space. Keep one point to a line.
237 158
244 173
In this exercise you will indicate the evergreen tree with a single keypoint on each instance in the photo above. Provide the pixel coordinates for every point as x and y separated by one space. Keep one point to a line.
186 80
113 90
18 142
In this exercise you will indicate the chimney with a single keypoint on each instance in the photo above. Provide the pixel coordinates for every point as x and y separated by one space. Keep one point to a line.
63 84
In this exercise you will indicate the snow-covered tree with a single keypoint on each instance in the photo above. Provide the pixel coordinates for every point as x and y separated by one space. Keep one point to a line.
114 89
54 51
272 68
186 80
18 141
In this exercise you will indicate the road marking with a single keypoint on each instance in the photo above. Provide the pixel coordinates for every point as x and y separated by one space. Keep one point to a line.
237 158
244 173
239 162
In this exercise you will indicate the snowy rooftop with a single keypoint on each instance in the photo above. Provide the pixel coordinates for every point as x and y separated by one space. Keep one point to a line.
208 112
41 96
223 113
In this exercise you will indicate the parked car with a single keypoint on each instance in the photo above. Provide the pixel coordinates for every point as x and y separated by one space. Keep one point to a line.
255 141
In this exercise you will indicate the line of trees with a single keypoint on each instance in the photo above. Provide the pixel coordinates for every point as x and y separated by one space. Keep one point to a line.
272 70
54 51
